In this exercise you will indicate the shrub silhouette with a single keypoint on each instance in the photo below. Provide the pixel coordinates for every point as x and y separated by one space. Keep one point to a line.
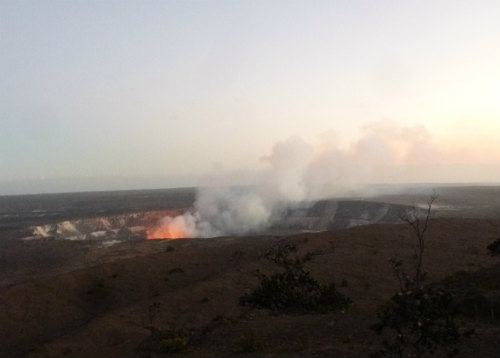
293 289
418 319
494 247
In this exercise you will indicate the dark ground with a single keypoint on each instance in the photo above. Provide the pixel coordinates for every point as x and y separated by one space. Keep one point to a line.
63 298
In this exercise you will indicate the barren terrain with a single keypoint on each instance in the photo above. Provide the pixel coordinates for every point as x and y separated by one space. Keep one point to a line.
62 298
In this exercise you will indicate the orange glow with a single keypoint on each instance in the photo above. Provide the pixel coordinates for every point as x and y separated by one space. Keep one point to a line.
168 231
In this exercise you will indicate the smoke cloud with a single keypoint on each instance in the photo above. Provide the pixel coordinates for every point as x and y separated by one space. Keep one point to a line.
298 172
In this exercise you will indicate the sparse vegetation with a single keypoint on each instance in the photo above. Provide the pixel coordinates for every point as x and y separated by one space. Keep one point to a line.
174 344
418 319
293 289
68 302
494 248
419 226
172 340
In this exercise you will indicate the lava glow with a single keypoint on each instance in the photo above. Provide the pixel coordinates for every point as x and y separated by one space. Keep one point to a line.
168 231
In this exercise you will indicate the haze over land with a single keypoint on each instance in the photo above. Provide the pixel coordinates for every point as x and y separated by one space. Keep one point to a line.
327 96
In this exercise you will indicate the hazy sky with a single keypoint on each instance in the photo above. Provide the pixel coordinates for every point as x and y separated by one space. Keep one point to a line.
119 94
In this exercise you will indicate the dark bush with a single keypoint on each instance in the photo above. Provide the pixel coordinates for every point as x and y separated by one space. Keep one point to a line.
494 248
419 321
293 289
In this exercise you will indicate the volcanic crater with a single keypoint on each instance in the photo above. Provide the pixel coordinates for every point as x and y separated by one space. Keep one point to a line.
78 276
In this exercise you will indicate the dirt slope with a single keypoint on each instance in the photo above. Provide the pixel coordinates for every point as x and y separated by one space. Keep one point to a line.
193 286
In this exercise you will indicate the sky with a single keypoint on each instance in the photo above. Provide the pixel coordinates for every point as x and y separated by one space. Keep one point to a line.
100 95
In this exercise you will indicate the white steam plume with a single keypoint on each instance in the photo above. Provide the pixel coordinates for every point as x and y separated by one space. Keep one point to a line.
298 172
